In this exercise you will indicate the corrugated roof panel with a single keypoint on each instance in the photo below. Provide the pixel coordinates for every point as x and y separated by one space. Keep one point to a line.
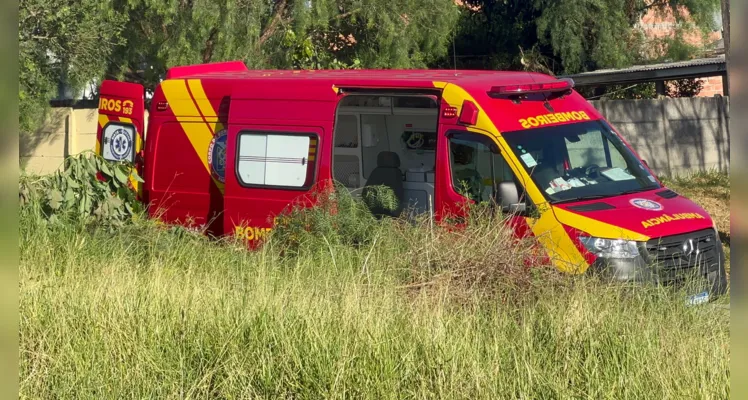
653 67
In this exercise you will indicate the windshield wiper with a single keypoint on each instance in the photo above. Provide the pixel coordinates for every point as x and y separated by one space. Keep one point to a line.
590 197
632 191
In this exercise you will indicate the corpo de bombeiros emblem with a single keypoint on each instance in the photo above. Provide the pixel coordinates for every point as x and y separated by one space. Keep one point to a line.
120 144
646 204
217 156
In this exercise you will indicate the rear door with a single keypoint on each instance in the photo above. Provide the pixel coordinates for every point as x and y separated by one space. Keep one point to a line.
121 121
268 168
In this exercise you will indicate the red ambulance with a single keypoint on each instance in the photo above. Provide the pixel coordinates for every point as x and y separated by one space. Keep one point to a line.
229 148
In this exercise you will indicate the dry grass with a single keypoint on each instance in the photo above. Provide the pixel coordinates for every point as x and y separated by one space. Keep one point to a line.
155 313
351 308
483 258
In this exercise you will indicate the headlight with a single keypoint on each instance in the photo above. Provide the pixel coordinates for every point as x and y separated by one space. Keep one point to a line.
610 248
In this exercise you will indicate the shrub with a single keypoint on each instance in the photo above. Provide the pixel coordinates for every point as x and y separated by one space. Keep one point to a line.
329 217
76 194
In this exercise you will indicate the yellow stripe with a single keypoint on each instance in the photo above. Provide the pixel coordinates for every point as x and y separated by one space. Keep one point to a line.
103 119
192 119
552 235
184 108
597 228
209 114
138 143
202 101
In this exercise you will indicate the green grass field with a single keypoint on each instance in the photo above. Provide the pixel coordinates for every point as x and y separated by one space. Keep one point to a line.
374 310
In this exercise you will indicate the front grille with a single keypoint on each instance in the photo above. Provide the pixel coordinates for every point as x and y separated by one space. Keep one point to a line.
676 257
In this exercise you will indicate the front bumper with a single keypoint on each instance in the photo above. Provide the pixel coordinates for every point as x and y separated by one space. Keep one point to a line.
662 261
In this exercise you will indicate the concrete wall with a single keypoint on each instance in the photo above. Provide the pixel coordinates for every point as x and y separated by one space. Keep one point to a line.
674 136
66 131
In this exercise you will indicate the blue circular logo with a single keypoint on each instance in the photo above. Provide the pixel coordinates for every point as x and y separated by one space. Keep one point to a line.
120 144
646 204
217 156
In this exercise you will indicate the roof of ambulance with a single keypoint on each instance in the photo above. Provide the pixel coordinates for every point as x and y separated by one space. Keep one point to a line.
403 78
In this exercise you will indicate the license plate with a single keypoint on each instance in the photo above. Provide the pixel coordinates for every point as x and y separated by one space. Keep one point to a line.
696 299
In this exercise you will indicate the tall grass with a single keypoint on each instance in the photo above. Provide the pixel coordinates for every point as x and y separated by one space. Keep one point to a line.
384 309
708 179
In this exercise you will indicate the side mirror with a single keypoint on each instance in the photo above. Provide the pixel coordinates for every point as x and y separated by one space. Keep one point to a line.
509 196
645 163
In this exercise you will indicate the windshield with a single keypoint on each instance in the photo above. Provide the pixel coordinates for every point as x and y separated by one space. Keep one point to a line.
579 161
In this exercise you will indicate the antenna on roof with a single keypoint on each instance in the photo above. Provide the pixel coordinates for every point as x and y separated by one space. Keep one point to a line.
454 55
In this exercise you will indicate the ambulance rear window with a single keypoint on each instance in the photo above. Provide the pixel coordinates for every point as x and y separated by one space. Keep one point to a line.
276 160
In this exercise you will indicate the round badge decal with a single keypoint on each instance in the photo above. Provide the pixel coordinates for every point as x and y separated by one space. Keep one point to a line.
120 144
217 156
646 204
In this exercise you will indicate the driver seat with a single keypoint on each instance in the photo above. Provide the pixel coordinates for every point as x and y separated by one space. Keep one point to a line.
388 174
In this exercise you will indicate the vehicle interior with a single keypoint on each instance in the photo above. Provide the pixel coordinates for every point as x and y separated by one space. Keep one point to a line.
388 140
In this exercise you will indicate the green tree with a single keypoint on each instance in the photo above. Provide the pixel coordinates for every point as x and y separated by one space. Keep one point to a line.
281 34
73 42
569 36
61 41
685 88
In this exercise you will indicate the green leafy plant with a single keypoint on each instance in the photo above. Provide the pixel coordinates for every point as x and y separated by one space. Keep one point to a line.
331 217
380 198
88 189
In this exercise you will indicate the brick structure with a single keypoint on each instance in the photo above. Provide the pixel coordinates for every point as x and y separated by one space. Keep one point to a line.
657 25
712 87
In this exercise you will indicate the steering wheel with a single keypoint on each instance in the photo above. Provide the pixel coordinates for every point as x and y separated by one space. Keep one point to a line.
592 170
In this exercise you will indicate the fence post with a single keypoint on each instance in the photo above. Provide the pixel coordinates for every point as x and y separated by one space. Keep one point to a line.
72 130
724 132
666 132
67 147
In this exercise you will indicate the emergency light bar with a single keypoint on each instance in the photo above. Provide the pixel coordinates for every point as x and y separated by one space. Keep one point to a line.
562 85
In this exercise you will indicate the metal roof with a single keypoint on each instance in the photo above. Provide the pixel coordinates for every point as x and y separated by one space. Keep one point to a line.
697 68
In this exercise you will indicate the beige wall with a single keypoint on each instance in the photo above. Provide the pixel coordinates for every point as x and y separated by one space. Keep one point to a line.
675 136
66 131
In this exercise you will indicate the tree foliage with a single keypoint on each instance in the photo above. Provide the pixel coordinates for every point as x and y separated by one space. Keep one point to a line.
281 34
570 36
76 41
62 41
685 88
